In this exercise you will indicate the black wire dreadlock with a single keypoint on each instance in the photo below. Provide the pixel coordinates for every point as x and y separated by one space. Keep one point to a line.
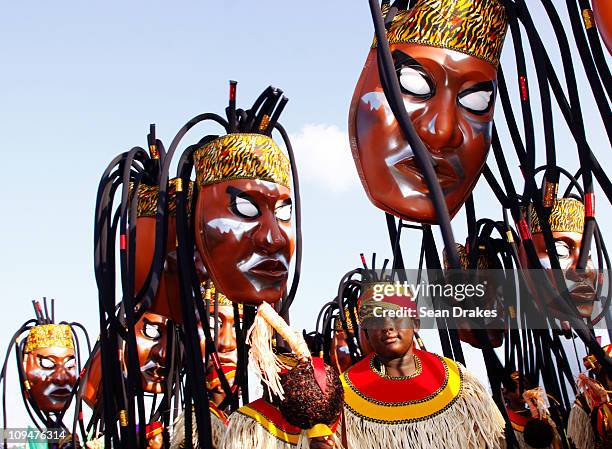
319 340
41 419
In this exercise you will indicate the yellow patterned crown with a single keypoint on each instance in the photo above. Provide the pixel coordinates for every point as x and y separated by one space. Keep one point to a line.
147 198
49 336
473 27
241 156
349 323
567 215
209 291
464 259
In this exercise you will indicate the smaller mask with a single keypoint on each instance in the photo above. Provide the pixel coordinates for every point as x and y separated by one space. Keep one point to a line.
226 346
166 301
92 378
50 366
567 225
151 340
243 216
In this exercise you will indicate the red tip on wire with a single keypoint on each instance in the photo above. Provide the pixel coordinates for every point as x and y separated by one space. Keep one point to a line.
363 261
123 241
523 229
231 116
232 90
589 204
524 91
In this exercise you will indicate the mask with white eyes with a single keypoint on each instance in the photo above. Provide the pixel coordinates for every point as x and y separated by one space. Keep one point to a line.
151 343
245 238
450 97
51 373
566 223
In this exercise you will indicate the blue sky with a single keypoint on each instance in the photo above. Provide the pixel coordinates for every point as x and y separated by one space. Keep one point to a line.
81 81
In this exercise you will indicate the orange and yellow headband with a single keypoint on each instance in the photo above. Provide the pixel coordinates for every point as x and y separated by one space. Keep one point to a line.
211 295
567 215
49 336
147 198
473 27
349 323
241 156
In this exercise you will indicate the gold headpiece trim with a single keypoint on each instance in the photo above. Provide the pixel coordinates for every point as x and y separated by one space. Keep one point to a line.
241 156
349 323
49 336
473 27
464 260
567 215
147 197
209 291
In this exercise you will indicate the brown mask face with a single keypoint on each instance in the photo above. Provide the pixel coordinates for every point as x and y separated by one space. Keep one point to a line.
449 97
51 373
581 284
93 378
244 235
151 338
166 300
226 349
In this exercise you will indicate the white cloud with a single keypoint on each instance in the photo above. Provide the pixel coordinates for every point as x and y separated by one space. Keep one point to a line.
323 156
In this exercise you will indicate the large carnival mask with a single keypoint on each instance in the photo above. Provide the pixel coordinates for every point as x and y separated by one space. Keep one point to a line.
50 366
567 226
151 340
446 55
243 216
223 321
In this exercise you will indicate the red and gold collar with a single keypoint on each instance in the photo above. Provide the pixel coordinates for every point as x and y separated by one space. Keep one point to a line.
272 421
384 399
